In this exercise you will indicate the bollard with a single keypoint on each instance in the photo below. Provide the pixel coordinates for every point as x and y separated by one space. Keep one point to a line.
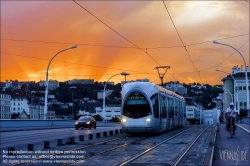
72 140
11 151
121 131
90 136
116 132
59 142
98 135
105 134
111 132
46 145
30 147
81 138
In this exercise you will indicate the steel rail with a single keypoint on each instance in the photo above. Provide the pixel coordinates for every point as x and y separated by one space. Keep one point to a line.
184 152
150 149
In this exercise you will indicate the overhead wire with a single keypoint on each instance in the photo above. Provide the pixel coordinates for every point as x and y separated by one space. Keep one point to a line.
183 43
100 45
116 32
137 72
136 47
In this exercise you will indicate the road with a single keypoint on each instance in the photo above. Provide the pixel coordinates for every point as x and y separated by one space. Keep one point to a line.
21 139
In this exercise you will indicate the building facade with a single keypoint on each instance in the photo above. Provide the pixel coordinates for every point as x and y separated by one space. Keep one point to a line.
176 87
19 103
5 100
235 89
107 94
53 84
81 81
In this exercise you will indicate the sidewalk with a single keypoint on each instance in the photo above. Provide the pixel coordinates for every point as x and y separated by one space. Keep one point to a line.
232 151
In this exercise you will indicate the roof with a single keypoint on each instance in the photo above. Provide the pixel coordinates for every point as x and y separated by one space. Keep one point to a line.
149 88
19 95
239 75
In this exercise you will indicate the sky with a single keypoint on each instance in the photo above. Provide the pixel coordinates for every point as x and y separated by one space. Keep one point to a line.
123 36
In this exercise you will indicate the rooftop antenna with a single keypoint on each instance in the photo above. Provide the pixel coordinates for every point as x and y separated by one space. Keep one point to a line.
161 72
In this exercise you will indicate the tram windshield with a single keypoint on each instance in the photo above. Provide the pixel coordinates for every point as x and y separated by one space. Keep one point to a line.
136 106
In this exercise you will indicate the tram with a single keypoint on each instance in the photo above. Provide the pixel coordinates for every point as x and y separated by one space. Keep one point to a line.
149 108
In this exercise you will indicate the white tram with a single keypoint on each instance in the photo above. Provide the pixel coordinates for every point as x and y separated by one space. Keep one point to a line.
149 108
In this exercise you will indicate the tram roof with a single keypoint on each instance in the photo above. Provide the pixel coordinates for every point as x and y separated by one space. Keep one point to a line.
149 88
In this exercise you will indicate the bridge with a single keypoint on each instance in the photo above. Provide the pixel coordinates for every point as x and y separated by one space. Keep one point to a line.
56 135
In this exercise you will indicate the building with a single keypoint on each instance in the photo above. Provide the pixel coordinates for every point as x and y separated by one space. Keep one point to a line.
107 94
80 81
111 111
5 100
53 84
36 111
19 103
235 89
211 116
176 87
193 114
92 109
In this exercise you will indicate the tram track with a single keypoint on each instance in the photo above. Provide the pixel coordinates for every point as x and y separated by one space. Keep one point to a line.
74 149
139 158
138 147
117 145
127 144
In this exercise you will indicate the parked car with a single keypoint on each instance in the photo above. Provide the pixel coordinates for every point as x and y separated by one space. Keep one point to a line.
85 122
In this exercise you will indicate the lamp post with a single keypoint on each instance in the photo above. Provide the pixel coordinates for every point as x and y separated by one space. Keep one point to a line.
235 89
227 91
47 84
104 93
72 114
247 91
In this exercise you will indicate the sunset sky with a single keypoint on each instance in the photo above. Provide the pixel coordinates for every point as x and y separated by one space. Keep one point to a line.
123 36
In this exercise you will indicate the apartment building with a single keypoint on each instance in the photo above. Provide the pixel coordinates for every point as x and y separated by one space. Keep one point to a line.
5 100
235 89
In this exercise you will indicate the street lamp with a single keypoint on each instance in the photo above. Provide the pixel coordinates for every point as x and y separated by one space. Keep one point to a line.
47 84
215 42
104 93
227 91
72 114
235 89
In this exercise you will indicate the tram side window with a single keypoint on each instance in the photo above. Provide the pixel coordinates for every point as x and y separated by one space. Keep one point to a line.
155 106
170 108
163 107
176 107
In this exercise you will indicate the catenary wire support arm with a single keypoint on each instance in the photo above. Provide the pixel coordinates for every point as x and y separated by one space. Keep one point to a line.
162 74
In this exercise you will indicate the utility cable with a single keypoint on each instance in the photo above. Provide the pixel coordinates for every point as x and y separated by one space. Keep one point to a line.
183 43
116 32
108 46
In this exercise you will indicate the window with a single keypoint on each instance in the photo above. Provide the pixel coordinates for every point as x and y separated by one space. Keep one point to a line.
163 105
170 107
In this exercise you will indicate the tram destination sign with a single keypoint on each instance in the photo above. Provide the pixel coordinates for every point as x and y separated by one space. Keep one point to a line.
136 96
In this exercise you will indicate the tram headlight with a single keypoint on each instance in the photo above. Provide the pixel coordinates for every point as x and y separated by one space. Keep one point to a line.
148 119
124 120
